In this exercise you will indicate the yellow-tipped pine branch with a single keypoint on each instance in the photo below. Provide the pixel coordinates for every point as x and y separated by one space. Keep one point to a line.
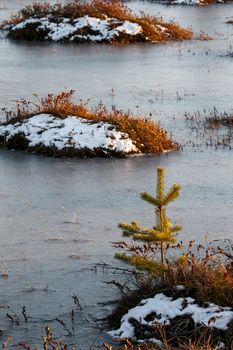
172 195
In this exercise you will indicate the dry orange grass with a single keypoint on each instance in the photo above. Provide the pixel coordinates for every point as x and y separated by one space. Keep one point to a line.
166 346
73 10
52 343
209 277
148 136
101 9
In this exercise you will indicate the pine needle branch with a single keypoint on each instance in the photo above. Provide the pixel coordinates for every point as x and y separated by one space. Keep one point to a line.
172 195
150 199
176 228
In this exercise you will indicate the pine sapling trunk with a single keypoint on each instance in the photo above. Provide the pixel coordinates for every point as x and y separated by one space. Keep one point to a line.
159 210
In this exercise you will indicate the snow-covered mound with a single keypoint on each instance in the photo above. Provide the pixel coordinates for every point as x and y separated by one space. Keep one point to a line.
90 29
186 2
93 29
47 132
141 320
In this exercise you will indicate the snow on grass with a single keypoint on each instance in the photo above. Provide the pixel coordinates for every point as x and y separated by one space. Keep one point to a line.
69 30
70 132
197 2
166 308
187 2
130 28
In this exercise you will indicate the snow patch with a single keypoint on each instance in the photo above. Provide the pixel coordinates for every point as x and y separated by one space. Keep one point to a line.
180 287
129 28
165 309
70 132
193 2
186 2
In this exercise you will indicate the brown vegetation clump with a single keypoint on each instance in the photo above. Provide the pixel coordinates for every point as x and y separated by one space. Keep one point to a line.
204 274
50 342
211 128
148 136
209 277
154 29
192 345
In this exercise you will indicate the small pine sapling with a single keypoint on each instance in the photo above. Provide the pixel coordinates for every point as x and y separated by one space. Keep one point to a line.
163 233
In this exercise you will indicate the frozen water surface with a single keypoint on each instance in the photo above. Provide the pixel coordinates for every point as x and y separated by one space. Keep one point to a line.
59 216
